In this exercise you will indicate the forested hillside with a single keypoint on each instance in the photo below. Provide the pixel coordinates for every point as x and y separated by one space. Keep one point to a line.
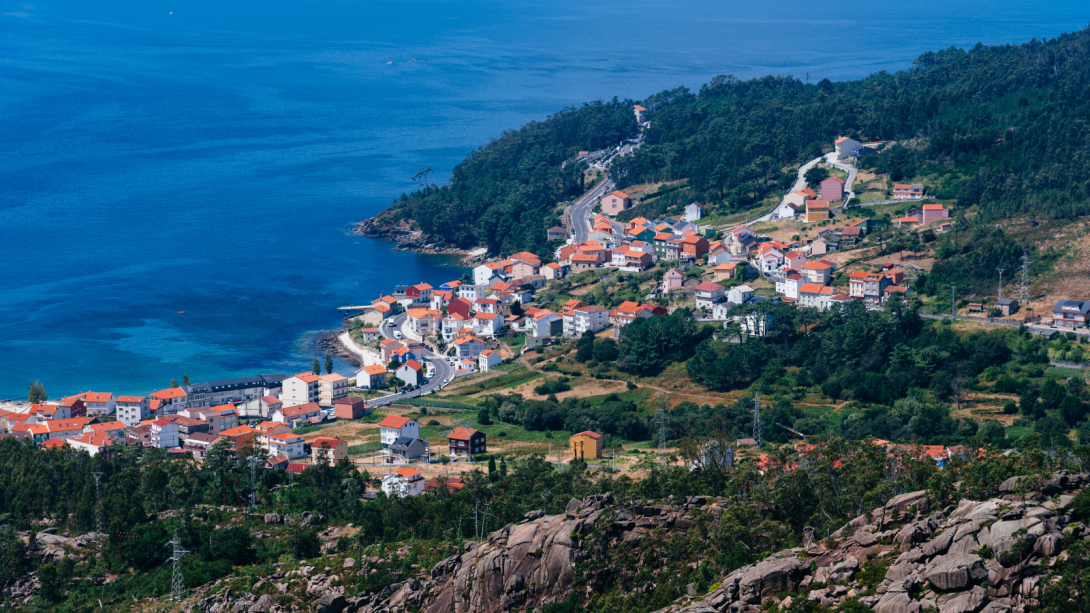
1012 117
1006 124
503 194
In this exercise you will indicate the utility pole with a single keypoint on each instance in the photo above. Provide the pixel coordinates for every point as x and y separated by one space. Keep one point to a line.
1000 282
177 581
98 496
1024 297
758 435
953 310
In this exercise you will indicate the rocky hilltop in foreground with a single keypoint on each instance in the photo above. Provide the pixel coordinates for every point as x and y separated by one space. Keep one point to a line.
906 557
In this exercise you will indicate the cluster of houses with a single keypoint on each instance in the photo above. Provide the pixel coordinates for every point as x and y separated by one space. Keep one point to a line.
400 437
93 421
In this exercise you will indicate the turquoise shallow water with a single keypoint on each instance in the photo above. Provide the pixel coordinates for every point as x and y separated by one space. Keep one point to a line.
207 157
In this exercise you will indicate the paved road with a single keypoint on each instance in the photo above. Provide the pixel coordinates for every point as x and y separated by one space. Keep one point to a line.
580 212
849 188
800 184
443 374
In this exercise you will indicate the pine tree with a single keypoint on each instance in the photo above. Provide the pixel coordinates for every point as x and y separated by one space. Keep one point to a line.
328 364
173 383
185 379
37 393
316 368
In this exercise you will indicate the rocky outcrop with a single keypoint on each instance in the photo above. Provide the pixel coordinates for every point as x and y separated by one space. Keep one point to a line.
933 557
405 236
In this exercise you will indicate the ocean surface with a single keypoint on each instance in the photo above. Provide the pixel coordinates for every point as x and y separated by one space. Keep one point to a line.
161 156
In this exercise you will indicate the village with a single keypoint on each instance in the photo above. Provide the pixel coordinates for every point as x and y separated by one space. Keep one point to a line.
811 251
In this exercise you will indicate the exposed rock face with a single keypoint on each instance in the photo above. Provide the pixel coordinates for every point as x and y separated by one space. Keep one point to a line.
932 559
955 571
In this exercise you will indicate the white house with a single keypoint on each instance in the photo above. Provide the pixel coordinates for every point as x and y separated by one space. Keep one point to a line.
488 359
395 427
721 256
694 212
484 272
132 409
487 324
721 311
771 261
99 403
740 294
371 377
300 389
789 285
402 482
411 372
290 445
786 210
164 434
592 317
292 415
542 324
817 296
708 294
472 292
469 347
846 148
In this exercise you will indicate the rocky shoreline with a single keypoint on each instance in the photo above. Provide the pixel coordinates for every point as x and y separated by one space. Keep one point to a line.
408 239
329 343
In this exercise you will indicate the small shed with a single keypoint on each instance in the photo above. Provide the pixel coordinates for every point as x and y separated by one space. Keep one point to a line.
1007 306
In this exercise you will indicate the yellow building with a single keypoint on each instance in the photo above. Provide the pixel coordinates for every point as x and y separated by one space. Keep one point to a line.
817 210
586 445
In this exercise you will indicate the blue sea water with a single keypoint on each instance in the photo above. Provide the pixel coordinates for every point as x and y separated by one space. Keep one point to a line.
206 156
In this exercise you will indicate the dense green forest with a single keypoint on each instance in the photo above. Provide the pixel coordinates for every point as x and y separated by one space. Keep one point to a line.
504 194
1003 127
151 499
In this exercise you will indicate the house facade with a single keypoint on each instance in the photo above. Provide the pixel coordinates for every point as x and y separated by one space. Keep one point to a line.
586 445
615 202
466 442
905 191
1070 313
300 389
395 427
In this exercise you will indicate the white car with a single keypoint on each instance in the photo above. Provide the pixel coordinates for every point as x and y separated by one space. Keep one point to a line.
397 335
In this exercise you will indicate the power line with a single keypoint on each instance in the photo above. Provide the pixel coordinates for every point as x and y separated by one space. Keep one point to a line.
177 581
953 308
1024 297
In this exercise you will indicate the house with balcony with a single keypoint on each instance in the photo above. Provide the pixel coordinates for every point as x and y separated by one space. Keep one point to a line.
395 427
466 442
1070 313
332 450
590 318
905 191
287 444
331 388
709 294
300 389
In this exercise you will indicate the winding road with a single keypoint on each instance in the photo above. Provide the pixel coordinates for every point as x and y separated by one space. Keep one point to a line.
443 370
580 212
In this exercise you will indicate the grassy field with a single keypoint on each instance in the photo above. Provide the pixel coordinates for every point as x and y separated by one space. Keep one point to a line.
509 380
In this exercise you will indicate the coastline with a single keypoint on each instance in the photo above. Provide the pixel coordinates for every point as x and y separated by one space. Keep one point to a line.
339 344
408 239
